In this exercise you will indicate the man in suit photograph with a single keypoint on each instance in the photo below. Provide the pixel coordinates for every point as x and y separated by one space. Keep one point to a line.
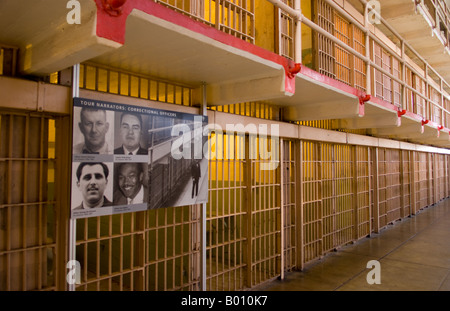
94 126
92 180
196 173
130 188
130 134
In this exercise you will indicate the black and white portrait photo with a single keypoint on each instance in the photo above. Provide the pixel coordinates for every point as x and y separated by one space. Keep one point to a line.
93 131
130 138
91 187
130 183
132 158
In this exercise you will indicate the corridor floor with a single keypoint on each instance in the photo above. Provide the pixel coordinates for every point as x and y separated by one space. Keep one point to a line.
414 255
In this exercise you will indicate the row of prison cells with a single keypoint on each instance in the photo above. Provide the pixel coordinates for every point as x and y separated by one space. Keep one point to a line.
260 223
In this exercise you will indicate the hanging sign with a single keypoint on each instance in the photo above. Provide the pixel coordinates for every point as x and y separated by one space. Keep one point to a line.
132 158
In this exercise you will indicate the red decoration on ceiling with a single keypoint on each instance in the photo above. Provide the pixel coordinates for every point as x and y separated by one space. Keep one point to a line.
113 7
364 99
401 112
294 70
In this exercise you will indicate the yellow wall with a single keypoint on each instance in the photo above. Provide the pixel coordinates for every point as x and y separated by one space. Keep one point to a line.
265 25
307 44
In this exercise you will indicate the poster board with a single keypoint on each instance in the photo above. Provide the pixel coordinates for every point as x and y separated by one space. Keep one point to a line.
130 158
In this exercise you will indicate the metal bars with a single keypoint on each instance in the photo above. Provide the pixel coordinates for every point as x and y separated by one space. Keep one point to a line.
383 83
337 191
235 17
259 223
152 250
226 213
359 67
259 110
421 180
312 201
109 80
289 204
286 32
264 212
393 185
106 248
333 60
173 248
342 48
406 190
344 60
363 191
325 48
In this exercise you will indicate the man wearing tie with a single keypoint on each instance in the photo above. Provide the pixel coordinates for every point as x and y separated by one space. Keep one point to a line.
130 187
130 133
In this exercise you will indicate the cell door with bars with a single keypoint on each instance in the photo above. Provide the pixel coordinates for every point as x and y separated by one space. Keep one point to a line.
311 182
382 82
363 191
263 210
337 195
421 180
286 32
29 202
325 59
289 203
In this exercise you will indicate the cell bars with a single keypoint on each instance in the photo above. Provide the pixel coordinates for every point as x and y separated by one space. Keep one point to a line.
226 213
235 17
290 216
331 59
110 80
260 223
259 110
243 232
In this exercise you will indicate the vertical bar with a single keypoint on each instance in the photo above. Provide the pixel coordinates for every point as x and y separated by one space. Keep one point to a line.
435 170
355 192
445 176
25 207
298 34
402 185
429 175
282 207
376 206
40 217
204 206
413 182
351 57
9 207
368 55
319 177
248 205
217 13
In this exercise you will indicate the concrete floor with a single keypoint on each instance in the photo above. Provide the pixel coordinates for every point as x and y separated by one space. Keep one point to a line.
414 254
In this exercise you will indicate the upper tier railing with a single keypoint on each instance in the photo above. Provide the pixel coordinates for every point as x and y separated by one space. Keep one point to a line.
339 43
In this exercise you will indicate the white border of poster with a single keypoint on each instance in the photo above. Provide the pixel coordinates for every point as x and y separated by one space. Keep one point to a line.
130 158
